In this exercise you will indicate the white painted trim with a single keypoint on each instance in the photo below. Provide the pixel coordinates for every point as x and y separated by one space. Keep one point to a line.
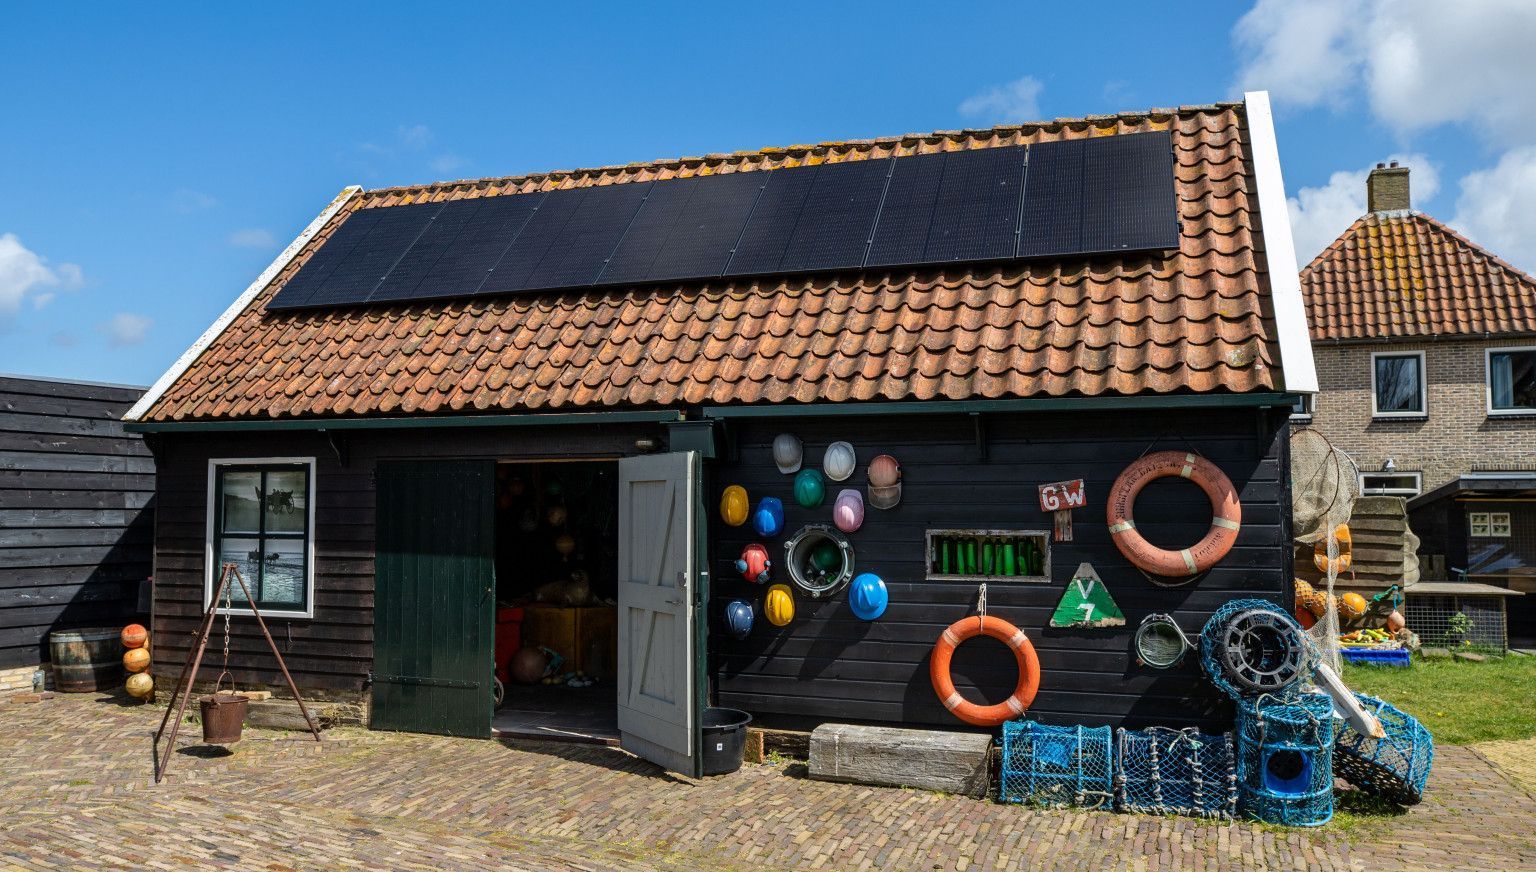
1298 372
209 561
1423 411
187 358
1488 354
1418 484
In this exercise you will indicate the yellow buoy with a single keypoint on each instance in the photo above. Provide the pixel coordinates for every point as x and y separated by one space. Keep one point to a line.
140 685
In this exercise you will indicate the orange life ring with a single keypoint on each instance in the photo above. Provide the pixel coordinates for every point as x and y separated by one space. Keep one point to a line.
1345 549
1023 652
1226 514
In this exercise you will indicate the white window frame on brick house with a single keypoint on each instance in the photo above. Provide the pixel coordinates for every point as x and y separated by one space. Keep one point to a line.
1488 354
1397 490
1303 408
1423 411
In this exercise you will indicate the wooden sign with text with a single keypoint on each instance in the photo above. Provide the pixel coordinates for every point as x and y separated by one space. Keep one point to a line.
1061 498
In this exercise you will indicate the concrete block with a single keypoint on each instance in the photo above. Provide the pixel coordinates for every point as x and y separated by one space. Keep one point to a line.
891 757
1470 656
1435 653
279 714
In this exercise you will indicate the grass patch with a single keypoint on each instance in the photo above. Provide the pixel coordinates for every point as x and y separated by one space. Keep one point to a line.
1459 701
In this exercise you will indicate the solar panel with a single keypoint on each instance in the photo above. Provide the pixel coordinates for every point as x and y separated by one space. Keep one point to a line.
701 242
538 236
977 212
761 247
1126 185
902 234
324 261
395 231
649 232
838 216
1052 199
441 232
596 225
469 258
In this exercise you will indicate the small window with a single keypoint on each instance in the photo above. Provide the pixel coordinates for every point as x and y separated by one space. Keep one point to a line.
1395 484
260 517
1489 525
989 555
1398 385
1512 381
1302 408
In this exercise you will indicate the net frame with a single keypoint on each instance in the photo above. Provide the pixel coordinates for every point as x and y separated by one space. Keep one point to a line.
1325 483
1057 767
1161 770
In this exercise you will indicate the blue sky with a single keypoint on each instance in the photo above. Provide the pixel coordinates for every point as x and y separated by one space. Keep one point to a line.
155 159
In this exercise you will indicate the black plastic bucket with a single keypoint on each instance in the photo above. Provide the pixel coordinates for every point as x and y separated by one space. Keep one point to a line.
725 738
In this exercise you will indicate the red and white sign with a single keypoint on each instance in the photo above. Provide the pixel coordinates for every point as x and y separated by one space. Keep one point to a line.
1062 496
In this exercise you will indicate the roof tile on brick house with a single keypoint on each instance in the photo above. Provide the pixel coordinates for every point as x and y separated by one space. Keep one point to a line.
1403 274
1195 319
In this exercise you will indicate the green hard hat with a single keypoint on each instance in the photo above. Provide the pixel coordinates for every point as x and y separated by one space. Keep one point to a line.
826 557
810 489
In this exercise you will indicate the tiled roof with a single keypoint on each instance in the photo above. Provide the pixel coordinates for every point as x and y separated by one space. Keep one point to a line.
1403 274
1196 319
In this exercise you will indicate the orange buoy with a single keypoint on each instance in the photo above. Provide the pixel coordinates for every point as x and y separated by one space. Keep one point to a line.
136 659
134 636
1023 653
1226 514
1320 551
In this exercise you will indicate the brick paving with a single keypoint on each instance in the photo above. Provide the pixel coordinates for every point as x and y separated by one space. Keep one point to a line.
75 793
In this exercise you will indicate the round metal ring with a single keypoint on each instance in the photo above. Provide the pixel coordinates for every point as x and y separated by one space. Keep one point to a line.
1159 641
805 554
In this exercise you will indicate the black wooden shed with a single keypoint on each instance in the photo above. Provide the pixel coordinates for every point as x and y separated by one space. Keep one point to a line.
533 391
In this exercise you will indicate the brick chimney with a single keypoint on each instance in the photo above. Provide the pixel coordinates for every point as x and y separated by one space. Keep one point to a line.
1386 189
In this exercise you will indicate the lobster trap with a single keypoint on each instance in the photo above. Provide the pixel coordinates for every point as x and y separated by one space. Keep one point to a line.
1160 770
1252 647
1285 759
1394 768
1057 767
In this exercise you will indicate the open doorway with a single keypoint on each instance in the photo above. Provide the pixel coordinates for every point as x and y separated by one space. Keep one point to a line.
556 534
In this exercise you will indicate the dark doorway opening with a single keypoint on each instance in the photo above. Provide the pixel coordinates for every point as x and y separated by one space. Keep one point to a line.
556 616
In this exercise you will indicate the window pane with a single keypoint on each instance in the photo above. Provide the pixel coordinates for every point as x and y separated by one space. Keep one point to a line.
245 554
287 501
1512 380
1397 384
240 495
282 581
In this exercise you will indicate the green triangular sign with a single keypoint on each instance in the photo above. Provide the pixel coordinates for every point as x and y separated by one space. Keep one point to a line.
1087 603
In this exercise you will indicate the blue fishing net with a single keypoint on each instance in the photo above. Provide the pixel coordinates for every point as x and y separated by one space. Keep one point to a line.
1057 766
1396 767
1160 770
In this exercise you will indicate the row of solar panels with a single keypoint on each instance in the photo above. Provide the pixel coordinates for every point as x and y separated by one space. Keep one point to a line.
1070 197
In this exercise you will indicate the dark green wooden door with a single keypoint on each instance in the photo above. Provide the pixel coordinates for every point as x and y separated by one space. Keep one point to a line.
433 598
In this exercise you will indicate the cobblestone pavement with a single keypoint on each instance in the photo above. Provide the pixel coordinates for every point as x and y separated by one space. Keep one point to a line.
75 793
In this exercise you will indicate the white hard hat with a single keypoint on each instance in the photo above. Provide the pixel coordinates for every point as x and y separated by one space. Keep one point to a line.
839 461
787 452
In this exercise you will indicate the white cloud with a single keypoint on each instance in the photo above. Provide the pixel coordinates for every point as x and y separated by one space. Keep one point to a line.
64 339
446 163
186 201
1495 207
252 237
1421 63
1318 215
125 328
24 275
414 136
1016 101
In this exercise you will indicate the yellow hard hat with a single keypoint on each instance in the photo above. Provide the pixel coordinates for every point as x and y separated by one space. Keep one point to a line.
779 605
733 505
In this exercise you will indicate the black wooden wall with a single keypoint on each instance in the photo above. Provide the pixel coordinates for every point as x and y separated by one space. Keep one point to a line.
75 512
332 651
829 665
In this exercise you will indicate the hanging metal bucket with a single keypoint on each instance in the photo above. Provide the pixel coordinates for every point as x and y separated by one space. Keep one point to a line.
223 715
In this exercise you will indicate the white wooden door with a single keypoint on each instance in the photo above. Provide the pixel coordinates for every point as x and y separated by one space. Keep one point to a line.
658 711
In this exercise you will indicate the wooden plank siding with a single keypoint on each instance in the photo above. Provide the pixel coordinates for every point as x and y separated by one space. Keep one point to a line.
829 665
333 651
76 511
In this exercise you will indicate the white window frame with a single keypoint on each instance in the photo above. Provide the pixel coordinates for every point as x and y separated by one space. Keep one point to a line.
210 575
1488 354
1308 407
1418 484
1423 385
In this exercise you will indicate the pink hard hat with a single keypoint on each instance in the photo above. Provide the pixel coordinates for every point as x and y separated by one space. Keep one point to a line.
848 511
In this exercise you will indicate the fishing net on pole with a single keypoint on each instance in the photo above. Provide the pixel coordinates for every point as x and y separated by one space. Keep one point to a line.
1325 482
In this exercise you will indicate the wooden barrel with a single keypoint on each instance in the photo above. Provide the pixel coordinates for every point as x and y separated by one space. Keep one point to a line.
87 659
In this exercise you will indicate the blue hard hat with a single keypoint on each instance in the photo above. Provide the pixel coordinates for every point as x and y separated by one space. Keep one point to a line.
738 617
768 520
867 596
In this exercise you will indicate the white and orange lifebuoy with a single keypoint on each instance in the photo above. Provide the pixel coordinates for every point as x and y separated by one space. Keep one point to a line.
1023 652
1226 514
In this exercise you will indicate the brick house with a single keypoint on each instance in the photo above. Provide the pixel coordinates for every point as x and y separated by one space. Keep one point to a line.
1425 345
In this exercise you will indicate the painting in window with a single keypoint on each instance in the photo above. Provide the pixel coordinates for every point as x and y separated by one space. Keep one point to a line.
1399 385
1512 381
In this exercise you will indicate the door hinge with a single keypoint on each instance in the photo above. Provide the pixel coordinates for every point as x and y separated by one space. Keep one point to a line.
425 681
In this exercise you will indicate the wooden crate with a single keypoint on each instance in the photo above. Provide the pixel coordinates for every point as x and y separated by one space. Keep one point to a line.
571 630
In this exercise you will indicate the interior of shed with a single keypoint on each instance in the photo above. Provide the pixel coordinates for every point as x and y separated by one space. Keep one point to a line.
556 581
